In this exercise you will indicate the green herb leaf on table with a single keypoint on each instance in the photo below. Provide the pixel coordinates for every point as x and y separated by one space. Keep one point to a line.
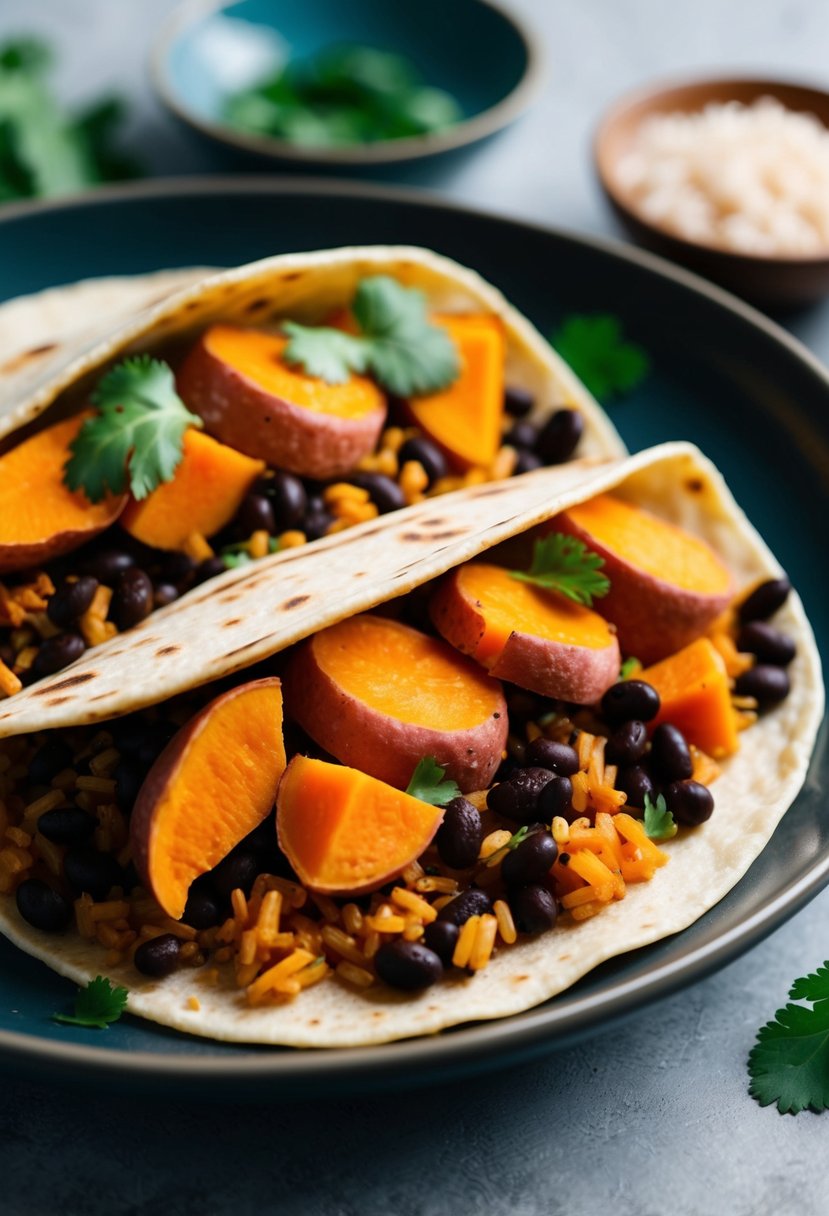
789 1063
659 822
563 563
136 437
428 783
96 1005
396 343
594 347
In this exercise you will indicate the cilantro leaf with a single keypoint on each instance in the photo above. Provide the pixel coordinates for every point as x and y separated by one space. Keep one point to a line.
659 822
96 1005
396 343
594 347
629 668
139 429
564 564
518 837
789 1063
428 783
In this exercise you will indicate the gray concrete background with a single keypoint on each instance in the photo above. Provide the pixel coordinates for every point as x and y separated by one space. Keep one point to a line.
651 1118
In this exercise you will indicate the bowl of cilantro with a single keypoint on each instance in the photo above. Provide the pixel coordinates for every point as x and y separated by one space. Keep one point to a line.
354 85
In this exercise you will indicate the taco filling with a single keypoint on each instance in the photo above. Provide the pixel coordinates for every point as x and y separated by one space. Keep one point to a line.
498 756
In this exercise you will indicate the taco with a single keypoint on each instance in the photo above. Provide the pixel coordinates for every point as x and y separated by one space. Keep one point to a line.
255 410
561 729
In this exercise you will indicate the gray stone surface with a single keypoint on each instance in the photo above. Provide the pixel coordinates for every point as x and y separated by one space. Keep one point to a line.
650 1118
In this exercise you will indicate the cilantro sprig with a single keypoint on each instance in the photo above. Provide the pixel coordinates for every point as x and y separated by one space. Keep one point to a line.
396 342
96 1005
659 822
429 785
789 1064
137 435
630 667
594 346
563 563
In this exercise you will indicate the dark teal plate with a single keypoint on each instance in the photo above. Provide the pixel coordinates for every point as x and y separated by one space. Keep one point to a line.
723 376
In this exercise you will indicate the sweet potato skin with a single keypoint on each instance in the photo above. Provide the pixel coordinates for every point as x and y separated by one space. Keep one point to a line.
653 618
553 669
144 819
367 739
246 417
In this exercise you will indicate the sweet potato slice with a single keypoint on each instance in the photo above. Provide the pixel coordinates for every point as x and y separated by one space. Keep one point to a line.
380 696
39 517
346 833
251 399
695 695
204 494
666 586
465 418
213 784
531 637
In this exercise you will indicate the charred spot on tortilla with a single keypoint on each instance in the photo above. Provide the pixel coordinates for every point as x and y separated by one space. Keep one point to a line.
295 601
449 534
695 485
58 700
257 305
18 362
231 622
167 650
83 677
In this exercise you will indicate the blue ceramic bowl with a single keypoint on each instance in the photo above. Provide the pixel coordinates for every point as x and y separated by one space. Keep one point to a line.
473 49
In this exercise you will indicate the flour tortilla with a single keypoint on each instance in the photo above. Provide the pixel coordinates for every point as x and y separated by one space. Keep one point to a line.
756 787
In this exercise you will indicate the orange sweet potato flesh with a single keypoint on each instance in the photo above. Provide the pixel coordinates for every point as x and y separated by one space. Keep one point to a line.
39 517
465 418
346 833
531 637
666 585
204 494
251 399
380 696
212 785
694 691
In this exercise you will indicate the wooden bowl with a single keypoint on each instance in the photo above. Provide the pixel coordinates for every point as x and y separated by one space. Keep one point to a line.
781 281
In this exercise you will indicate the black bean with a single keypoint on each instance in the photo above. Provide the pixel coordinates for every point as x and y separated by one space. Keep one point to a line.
518 401
630 699
533 909
635 781
384 493
129 777
239 869
558 757
176 568
316 524
555 798
66 825
132 599
288 499
407 965
41 906
202 908
525 462
522 435
627 743
472 902
209 568
765 600
670 755
459 836
71 600
426 453
530 861
159 956
768 685
164 594
517 798
49 759
689 802
88 870
255 515
107 565
559 437
767 644
56 653
442 937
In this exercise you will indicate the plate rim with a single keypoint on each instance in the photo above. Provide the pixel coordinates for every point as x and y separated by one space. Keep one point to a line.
472 1045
